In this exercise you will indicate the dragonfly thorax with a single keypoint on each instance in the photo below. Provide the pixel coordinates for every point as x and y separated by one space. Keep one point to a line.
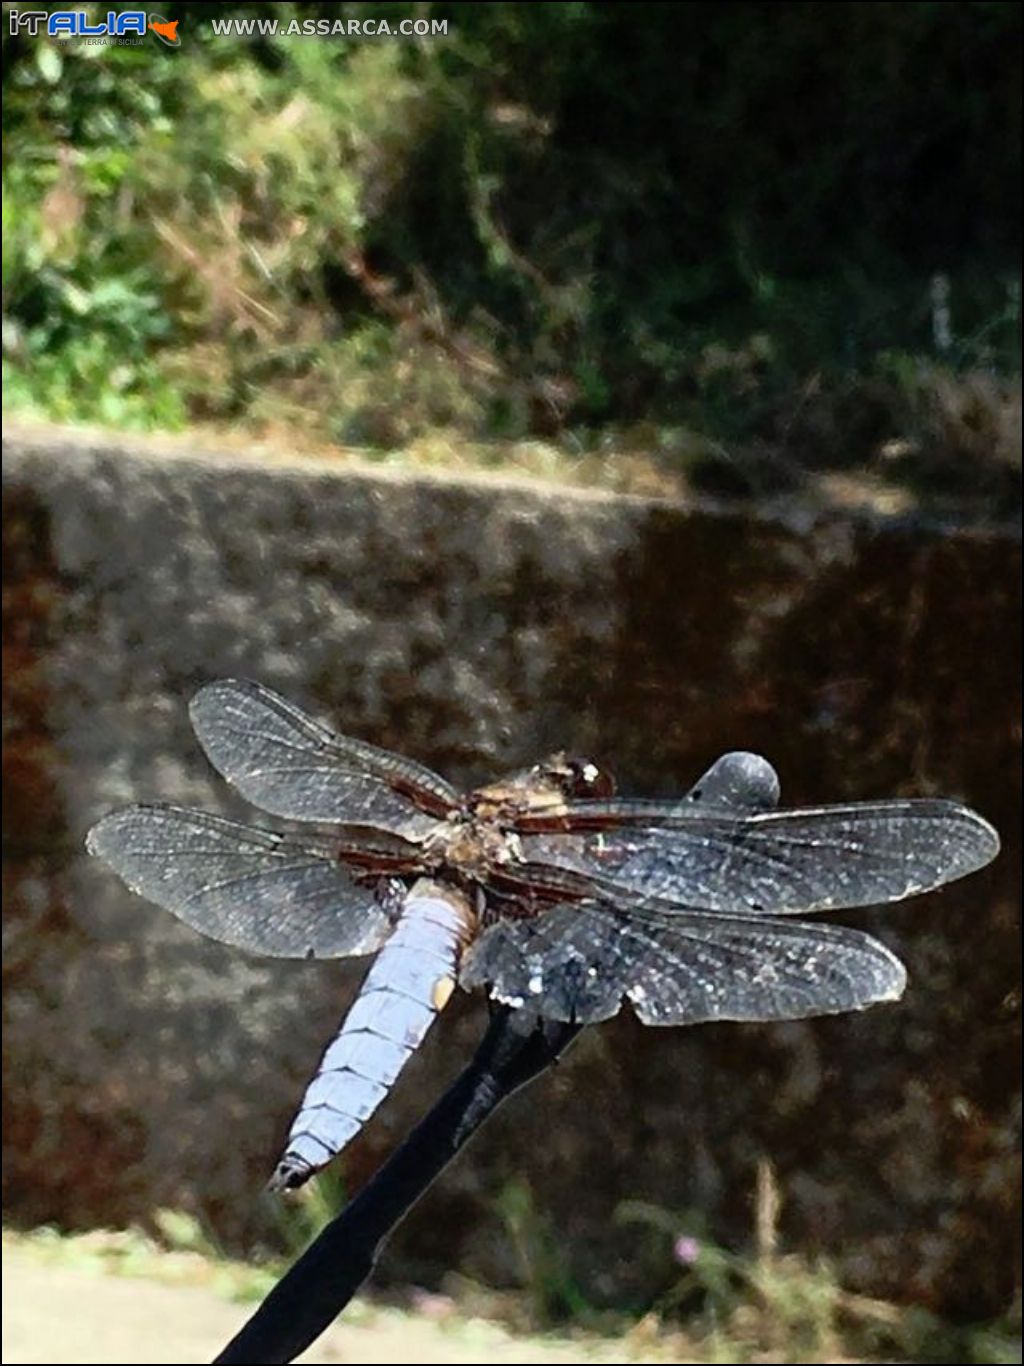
470 845
480 838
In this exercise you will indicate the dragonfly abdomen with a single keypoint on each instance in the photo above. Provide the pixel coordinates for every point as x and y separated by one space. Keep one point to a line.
409 983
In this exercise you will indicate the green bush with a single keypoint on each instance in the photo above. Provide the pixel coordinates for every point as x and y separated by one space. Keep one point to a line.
729 220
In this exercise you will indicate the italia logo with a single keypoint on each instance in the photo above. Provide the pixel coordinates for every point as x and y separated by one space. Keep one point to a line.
120 25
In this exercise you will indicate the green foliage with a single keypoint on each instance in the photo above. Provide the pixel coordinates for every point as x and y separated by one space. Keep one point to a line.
552 1292
751 1304
724 219
300 1216
757 1305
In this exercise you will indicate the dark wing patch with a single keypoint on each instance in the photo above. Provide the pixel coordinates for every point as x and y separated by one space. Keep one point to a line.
258 890
285 762
576 963
560 964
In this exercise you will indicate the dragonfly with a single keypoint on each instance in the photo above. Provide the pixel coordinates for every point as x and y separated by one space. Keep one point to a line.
560 898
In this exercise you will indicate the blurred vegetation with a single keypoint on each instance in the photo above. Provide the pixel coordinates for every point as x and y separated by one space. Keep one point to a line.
730 245
755 1304
722 1306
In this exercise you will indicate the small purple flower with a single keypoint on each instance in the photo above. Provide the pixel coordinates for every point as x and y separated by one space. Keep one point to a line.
686 1250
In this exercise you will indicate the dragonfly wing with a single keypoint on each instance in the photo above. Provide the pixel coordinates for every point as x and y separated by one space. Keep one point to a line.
577 963
775 862
559 964
256 889
285 762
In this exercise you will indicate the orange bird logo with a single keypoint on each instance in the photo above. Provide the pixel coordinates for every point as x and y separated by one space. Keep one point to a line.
166 30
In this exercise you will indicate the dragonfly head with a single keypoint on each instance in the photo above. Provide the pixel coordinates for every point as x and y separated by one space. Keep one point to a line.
578 779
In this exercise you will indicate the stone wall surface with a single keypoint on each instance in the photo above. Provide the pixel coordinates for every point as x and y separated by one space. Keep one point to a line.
476 625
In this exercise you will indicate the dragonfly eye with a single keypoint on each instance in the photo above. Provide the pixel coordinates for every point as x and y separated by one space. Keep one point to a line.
589 780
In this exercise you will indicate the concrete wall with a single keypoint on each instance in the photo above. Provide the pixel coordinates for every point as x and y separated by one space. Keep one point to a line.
476 625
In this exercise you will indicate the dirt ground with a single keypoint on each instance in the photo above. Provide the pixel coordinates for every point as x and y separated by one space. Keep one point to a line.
69 1314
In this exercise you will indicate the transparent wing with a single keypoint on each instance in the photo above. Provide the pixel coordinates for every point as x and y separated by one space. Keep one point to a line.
258 890
286 763
576 963
780 862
